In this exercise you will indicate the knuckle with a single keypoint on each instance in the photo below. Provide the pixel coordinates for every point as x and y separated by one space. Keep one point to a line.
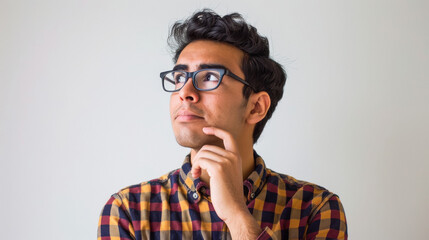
226 162
231 155
218 167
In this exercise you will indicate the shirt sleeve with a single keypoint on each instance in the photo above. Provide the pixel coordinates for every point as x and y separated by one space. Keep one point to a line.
329 222
115 222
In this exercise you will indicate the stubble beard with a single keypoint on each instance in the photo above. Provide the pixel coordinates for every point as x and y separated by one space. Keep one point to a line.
189 138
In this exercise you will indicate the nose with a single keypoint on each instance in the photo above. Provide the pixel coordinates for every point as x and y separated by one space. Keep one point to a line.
189 92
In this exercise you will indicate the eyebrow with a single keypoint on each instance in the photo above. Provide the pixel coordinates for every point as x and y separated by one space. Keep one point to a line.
180 67
185 67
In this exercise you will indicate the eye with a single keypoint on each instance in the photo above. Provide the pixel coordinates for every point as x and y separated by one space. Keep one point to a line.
179 78
211 77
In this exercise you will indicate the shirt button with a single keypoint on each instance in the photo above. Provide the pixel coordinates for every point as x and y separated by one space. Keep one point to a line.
195 195
252 195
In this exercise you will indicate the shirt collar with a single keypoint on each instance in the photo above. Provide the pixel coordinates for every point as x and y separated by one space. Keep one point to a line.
252 185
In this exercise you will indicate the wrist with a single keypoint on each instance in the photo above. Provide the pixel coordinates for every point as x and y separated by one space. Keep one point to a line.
243 225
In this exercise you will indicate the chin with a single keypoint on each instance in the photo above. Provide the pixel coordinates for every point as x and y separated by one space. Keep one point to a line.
196 141
190 140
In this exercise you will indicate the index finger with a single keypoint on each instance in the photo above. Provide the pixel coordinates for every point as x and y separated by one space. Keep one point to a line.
228 140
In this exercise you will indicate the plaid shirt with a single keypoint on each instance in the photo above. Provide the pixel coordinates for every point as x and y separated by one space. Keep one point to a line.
176 206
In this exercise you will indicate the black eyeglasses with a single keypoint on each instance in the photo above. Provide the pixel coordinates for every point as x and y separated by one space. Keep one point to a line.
203 79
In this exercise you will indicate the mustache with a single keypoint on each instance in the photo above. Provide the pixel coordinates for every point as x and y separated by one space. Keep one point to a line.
188 107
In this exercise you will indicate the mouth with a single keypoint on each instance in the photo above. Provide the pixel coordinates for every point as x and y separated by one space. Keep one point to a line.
187 116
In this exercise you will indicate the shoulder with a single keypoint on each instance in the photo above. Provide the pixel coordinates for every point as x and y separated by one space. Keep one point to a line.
149 189
307 193
312 203
290 182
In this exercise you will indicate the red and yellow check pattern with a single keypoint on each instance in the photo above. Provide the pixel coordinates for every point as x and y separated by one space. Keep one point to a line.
176 206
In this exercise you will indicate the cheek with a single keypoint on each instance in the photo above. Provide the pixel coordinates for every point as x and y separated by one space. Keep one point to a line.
226 111
173 104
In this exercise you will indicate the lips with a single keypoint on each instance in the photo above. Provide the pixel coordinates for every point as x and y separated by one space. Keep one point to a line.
186 115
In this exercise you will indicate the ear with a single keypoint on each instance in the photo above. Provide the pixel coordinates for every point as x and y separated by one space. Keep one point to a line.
258 106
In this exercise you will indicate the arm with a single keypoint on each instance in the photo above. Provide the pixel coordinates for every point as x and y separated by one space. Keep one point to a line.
329 222
224 166
114 222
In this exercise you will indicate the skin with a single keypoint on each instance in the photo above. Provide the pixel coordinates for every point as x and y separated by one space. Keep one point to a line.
218 125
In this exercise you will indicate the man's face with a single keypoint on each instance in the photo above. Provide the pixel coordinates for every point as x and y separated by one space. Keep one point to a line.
224 107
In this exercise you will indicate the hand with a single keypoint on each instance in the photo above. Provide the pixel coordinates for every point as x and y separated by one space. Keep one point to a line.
224 167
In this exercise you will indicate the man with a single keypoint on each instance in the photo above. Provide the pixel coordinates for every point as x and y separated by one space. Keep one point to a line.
224 88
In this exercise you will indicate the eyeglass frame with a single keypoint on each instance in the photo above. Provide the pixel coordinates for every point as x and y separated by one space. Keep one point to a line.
222 72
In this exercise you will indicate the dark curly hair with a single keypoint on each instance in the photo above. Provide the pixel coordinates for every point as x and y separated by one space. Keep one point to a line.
260 71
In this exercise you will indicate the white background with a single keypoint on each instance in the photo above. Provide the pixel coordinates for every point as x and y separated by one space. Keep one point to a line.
83 114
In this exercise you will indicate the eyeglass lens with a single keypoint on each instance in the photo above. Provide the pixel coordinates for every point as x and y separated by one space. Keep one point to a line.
204 80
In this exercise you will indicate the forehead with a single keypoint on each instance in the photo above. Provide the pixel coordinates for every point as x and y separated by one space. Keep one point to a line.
203 52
